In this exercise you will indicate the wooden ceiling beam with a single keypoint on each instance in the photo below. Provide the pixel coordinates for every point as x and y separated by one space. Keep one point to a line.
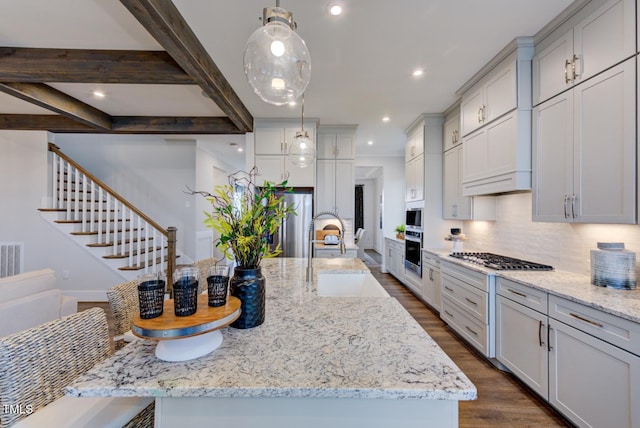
90 66
51 99
164 22
121 124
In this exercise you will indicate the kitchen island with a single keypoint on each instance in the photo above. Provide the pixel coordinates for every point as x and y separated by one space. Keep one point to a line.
315 362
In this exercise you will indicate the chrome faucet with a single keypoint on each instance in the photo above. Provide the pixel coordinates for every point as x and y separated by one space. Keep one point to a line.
312 240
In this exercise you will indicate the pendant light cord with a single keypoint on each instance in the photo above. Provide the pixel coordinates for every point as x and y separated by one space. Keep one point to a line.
302 124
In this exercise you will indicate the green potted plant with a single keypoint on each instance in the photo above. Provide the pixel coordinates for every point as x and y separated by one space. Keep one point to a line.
245 215
400 231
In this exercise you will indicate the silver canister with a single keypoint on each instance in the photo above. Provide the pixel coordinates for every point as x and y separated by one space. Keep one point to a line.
613 267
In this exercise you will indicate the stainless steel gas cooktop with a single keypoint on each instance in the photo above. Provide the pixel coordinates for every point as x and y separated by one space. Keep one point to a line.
497 262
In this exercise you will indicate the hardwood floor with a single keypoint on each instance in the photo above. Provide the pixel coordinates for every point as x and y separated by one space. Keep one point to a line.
502 400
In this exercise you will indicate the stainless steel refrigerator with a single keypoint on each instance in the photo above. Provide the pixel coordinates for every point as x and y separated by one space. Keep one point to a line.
293 235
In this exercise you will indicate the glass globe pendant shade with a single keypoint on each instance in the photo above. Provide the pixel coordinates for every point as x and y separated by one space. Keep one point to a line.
277 63
302 151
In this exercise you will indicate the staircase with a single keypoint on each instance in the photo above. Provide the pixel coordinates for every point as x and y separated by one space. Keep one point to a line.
106 224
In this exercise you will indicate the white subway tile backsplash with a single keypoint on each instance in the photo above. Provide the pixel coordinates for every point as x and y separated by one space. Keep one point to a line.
565 246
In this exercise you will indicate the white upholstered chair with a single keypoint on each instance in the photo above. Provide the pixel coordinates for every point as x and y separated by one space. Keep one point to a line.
357 238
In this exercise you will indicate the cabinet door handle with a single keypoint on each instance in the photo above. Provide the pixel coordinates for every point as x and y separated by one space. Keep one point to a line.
517 293
484 112
573 206
448 289
471 301
480 114
470 330
566 201
540 334
567 63
581 318
448 313
549 347
573 67
430 274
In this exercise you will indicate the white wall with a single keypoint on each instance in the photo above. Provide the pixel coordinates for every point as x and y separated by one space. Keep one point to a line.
23 174
564 246
148 170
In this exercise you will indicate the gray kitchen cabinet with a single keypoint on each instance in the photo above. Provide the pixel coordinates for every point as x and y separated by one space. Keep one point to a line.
335 190
598 37
431 280
415 144
468 305
335 145
489 99
271 148
583 361
414 179
451 132
335 165
395 258
591 381
577 178
496 126
455 206
521 333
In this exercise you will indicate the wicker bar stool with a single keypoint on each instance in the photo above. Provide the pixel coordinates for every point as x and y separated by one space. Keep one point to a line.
124 303
38 363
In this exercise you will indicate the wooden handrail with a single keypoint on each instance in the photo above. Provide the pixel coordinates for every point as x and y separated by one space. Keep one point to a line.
55 149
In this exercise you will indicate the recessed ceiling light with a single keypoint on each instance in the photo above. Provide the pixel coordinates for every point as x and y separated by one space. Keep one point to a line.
240 149
418 72
335 9
98 94
386 119
370 143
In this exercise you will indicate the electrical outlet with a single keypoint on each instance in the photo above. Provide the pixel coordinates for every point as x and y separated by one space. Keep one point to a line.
65 274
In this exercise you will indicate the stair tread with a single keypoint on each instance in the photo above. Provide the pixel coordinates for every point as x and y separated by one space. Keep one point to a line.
110 244
135 253
111 220
143 265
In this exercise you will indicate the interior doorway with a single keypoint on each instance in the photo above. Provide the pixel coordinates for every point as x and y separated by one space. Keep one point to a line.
369 182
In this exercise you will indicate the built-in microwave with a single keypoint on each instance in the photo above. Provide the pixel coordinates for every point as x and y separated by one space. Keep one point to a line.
413 219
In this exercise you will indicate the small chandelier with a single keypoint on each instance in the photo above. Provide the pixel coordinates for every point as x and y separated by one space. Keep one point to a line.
302 151
276 59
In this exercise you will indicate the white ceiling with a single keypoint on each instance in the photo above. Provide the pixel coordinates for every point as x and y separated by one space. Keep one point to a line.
361 61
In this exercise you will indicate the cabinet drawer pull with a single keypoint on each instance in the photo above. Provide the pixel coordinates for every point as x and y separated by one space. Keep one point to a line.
573 67
567 63
517 293
448 313
449 289
540 333
597 324
549 347
471 331
471 301
573 206
566 200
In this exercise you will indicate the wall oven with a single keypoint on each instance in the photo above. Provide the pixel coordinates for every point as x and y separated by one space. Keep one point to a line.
412 251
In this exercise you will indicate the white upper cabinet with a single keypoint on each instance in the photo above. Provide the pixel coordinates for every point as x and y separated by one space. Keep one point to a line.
415 143
271 148
585 151
451 132
604 36
496 125
335 146
414 179
489 99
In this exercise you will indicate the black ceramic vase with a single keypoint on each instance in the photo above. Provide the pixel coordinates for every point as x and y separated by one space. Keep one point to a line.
248 285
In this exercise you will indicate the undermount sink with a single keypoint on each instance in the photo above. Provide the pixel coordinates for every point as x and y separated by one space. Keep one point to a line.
349 285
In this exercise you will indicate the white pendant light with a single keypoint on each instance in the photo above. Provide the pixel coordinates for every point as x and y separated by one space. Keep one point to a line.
276 59
302 151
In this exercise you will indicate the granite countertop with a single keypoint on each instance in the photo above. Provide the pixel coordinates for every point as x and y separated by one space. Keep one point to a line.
393 238
309 346
571 286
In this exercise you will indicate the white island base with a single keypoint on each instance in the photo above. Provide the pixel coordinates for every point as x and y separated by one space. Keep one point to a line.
305 412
